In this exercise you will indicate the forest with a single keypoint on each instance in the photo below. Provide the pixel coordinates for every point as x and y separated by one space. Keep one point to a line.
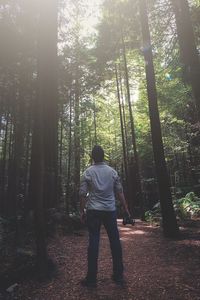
123 74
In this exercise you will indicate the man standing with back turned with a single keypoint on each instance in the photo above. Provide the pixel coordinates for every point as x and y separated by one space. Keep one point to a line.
99 185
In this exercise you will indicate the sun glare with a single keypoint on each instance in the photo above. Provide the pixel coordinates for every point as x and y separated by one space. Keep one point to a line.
92 17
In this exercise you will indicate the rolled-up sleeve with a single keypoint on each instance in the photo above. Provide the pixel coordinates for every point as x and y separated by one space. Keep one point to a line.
84 184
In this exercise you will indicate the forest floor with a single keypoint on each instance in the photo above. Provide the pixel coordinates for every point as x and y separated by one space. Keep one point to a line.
155 267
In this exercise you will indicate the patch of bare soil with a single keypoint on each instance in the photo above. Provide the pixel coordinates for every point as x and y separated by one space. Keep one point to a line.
155 267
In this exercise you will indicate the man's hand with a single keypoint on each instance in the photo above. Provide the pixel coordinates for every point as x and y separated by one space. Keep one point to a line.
82 209
123 202
83 217
127 212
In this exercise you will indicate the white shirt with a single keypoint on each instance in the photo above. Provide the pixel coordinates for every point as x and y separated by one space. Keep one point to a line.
99 183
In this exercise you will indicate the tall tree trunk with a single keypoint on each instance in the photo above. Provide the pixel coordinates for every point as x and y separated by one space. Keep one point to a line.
170 226
48 76
37 182
188 49
60 181
138 196
123 114
69 157
122 127
95 124
3 166
44 143
77 140
26 167
1 111
18 148
8 204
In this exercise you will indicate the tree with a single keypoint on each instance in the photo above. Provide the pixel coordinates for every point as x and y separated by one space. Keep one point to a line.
49 63
135 164
170 226
44 131
188 50
121 124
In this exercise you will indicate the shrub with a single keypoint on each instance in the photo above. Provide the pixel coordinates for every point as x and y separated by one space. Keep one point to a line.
187 207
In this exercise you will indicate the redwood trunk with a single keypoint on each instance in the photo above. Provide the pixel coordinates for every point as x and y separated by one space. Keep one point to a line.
170 226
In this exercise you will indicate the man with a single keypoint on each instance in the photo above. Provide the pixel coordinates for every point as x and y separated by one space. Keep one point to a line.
99 185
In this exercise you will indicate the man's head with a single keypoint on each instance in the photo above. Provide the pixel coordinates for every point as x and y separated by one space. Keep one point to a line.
97 154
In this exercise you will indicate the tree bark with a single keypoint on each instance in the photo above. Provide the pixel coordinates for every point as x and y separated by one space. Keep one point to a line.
188 49
95 124
48 75
123 113
60 178
18 149
170 227
3 166
44 143
69 157
77 140
138 196
122 127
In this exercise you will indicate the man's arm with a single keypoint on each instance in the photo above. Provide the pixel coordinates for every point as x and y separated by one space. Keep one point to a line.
119 191
83 196
82 206
123 202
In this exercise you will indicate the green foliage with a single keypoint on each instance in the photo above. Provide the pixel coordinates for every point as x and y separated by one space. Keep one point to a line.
153 216
117 20
187 207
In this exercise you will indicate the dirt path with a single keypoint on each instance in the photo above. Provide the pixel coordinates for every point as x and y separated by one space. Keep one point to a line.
155 268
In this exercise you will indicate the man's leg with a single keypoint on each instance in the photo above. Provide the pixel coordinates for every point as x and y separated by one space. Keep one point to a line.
110 223
94 225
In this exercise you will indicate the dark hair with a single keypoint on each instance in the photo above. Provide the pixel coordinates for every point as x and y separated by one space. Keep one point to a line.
97 154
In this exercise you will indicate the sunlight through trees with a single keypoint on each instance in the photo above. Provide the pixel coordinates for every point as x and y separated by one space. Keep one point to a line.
123 74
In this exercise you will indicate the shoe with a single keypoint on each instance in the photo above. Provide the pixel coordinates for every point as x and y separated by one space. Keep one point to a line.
89 284
119 281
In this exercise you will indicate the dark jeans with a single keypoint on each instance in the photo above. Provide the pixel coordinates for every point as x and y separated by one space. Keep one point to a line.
94 220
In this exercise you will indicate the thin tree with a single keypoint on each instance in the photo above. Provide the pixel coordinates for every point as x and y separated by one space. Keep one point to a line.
50 94
122 126
76 137
61 142
95 123
69 155
123 112
139 196
4 164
